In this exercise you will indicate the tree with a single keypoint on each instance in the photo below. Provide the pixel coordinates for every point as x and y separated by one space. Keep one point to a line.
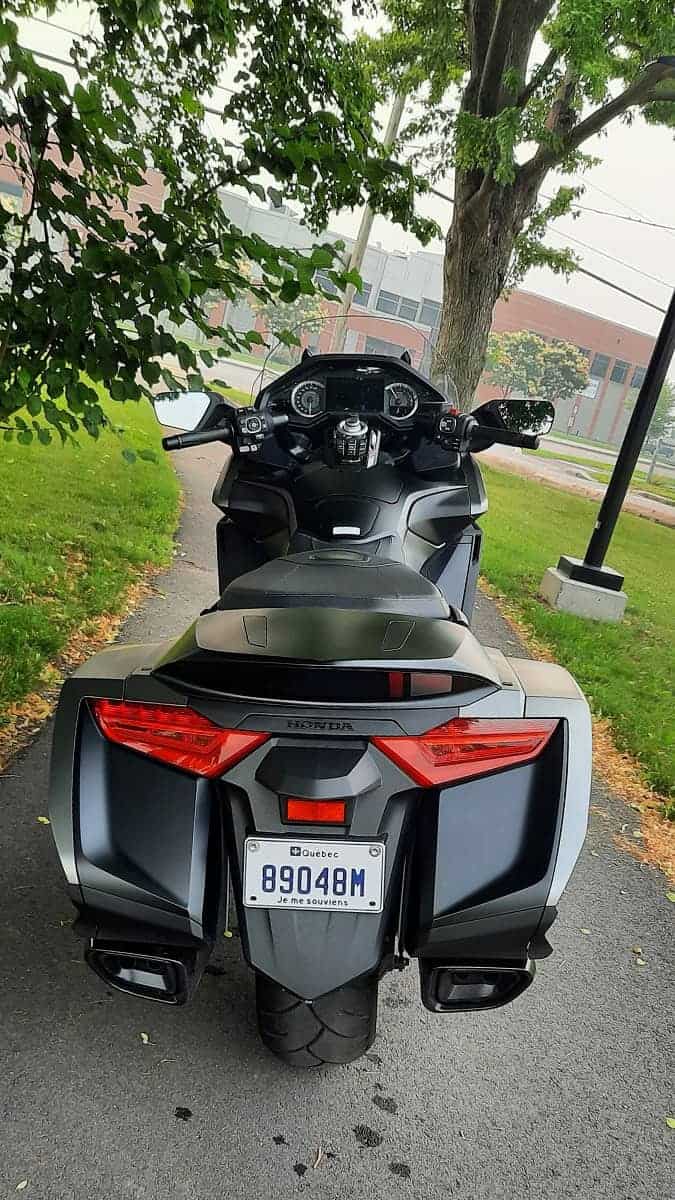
514 363
664 413
285 321
564 372
508 92
526 364
90 272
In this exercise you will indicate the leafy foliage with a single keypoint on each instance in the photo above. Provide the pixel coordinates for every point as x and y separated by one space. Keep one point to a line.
526 364
94 274
504 92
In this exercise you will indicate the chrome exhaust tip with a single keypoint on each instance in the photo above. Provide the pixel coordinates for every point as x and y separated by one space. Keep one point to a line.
463 987
140 971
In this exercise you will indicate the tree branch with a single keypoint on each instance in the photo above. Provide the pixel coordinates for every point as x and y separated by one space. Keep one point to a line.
479 16
640 91
539 76
495 59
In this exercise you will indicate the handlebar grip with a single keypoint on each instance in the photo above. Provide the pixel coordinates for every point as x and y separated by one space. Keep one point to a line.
505 437
181 441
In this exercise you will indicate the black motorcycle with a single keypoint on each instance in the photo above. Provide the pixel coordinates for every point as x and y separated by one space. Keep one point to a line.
329 741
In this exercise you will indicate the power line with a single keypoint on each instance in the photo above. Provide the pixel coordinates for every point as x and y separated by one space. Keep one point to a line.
604 212
584 271
611 257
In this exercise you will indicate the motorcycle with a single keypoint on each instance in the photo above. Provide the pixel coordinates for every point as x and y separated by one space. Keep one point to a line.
329 741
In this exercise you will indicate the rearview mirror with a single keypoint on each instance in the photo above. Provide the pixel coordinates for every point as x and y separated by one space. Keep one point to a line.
520 416
181 410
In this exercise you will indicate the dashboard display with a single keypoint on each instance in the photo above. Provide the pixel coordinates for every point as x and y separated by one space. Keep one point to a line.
360 391
308 399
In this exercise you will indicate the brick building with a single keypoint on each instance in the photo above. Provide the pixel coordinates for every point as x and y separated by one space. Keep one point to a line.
399 308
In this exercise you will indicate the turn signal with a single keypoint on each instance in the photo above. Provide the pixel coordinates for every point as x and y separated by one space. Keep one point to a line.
173 734
463 748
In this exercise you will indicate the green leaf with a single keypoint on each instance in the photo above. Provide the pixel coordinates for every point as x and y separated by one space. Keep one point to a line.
24 437
191 103
129 455
44 435
34 405
321 257
289 291
670 1122
148 455
670 896
183 281
254 338
25 378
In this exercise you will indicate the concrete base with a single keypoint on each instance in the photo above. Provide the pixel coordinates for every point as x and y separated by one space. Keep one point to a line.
582 599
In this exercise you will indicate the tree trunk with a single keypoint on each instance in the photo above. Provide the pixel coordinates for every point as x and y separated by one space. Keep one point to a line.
478 250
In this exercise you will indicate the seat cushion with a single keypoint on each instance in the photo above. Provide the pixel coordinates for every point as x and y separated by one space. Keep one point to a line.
336 579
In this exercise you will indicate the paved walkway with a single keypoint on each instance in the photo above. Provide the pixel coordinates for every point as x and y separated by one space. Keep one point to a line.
562 1095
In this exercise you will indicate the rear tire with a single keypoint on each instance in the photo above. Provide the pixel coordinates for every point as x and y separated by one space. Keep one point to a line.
336 1028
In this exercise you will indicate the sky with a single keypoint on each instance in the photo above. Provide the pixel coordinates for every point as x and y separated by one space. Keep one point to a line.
636 178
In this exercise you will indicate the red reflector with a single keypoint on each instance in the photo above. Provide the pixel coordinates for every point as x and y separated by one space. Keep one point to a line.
466 747
175 735
317 812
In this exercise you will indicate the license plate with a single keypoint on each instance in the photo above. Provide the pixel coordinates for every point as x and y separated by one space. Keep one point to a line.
313 875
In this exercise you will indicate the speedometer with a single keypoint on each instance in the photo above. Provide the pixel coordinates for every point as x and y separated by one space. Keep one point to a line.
308 399
400 401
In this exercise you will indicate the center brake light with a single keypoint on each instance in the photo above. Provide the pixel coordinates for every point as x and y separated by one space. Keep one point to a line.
466 747
174 734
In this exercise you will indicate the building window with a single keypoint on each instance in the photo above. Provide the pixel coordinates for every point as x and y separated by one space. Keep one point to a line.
408 309
638 377
599 366
430 313
324 281
387 302
619 371
363 296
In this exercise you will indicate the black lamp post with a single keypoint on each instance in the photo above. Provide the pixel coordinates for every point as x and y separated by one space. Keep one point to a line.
591 568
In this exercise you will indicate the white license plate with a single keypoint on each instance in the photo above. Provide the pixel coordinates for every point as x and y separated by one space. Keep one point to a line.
313 875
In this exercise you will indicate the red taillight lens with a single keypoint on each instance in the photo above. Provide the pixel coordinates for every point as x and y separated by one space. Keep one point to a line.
463 748
174 735
316 812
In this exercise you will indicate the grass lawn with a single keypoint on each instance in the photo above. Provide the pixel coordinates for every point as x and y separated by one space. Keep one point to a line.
626 670
76 524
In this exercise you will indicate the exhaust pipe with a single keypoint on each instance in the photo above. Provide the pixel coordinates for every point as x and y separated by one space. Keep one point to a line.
168 976
459 987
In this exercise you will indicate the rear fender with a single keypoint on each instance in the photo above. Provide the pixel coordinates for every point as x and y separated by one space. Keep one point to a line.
311 953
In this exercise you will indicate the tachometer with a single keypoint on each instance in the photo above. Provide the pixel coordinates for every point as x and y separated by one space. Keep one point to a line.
400 401
308 398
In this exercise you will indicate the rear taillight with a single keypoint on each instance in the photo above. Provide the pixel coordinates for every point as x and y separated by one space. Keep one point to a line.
466 747
174 734
316 812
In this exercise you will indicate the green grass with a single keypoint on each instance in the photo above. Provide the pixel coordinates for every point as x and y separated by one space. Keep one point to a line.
76 525
657 487
627 669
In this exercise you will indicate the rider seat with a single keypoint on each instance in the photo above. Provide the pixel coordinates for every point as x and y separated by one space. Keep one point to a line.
336 579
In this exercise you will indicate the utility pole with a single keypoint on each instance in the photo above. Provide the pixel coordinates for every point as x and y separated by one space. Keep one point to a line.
587 586
361 243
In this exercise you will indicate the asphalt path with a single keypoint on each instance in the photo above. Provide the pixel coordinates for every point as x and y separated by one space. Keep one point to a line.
563 1094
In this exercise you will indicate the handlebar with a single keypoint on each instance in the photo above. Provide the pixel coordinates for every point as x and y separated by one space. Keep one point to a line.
505 437
247 431
180 441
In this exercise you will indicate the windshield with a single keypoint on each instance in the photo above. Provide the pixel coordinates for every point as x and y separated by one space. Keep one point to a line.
358 333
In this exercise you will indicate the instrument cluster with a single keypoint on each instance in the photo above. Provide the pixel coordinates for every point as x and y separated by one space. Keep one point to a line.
364 389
